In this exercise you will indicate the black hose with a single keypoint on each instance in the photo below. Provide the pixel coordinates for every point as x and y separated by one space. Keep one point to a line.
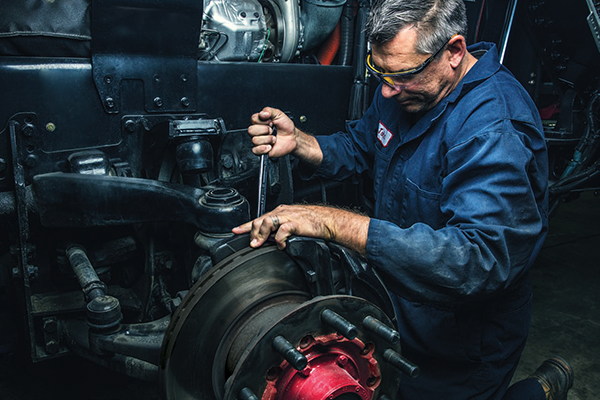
574 181
589 143
346 34
358 94
360 40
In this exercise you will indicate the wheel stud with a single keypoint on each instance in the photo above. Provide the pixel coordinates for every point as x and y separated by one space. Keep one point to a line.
401 363
289 353
338 323
247 394
382 330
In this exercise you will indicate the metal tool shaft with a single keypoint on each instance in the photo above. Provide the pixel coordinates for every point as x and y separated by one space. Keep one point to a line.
262 184
263 177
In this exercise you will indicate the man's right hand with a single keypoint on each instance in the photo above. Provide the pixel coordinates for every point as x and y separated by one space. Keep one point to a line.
261 132
289 139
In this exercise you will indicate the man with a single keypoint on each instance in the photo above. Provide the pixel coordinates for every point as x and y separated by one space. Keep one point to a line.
456 151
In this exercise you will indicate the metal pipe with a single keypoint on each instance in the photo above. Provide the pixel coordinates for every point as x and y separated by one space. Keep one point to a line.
290 9
510 16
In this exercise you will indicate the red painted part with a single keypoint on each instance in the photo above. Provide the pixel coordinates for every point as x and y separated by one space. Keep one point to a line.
330 47
550 111
336 367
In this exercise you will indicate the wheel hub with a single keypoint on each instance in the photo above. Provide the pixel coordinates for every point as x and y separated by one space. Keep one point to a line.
337 368
252 328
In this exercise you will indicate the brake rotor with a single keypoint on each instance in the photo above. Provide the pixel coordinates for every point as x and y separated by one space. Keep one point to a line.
250 328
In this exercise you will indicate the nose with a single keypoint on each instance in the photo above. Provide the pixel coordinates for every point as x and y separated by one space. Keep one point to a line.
389 92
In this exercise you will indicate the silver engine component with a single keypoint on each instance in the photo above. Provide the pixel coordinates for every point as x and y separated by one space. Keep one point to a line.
234 30
265 30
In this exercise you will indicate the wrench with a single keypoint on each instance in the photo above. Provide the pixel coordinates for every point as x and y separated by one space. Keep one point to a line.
263 176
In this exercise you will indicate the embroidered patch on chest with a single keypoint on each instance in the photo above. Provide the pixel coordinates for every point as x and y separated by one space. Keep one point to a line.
384 134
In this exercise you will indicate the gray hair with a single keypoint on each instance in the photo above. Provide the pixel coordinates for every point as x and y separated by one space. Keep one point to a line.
436 21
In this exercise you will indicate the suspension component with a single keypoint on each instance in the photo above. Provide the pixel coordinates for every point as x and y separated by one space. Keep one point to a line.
103 311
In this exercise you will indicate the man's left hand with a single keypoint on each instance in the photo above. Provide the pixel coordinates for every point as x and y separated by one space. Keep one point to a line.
328 223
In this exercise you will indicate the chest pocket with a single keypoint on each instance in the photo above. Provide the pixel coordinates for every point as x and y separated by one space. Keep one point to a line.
419 205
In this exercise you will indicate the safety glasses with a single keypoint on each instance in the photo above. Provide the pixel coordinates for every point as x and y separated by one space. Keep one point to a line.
402 79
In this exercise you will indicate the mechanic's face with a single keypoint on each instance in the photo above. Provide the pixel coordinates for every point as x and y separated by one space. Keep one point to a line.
423 90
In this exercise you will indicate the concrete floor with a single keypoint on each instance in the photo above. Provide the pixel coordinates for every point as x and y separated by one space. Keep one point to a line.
566 297
566 322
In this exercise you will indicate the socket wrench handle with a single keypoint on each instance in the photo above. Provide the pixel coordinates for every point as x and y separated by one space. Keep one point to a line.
263 176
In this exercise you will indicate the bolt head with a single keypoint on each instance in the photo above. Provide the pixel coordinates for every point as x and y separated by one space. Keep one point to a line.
342 361
31 161
130 125
28 130
50 326
52 347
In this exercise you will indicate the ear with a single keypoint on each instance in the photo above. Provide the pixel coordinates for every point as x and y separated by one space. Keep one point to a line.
457 46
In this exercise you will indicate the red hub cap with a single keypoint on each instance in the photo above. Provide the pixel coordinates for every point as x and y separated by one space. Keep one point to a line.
337 368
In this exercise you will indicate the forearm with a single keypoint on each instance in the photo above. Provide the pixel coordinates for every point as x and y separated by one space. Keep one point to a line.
345 227
307 148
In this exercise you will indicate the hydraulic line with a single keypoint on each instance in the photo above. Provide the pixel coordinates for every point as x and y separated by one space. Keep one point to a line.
574 181
588 144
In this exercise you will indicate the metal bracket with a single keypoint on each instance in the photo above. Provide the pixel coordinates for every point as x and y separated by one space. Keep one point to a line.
153 42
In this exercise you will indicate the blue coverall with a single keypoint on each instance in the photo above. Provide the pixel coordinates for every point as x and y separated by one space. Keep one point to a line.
460 214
